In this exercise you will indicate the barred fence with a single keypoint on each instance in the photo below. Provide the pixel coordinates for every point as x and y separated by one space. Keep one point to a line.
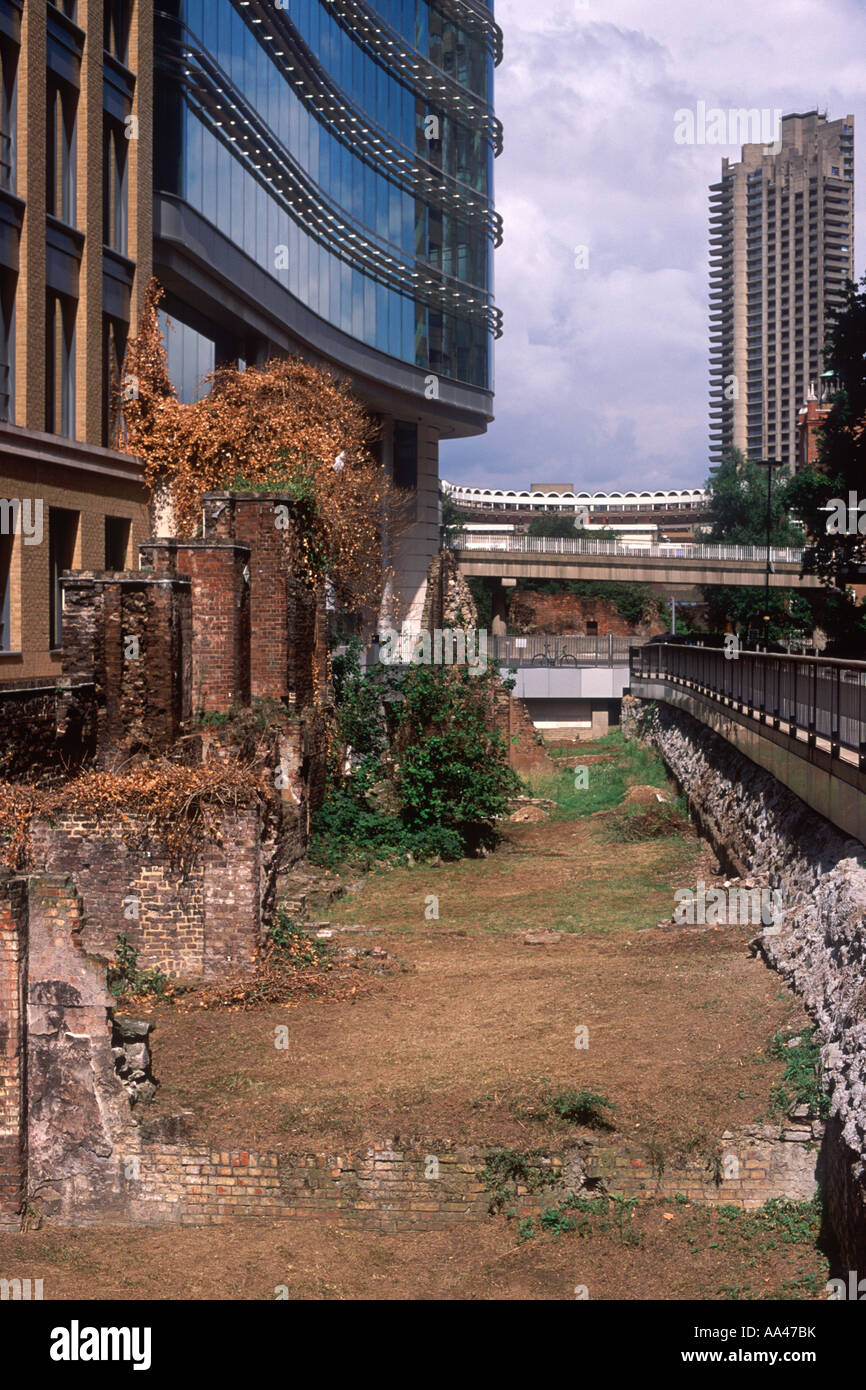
816 696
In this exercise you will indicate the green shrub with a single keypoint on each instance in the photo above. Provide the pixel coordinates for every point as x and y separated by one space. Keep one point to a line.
430 734
801 1080
575 1107
125 980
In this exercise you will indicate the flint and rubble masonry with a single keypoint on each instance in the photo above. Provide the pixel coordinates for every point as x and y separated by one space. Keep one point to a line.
767 833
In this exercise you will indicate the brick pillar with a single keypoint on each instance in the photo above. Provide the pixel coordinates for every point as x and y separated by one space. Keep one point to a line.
13 1048
131 633
218 571
289 635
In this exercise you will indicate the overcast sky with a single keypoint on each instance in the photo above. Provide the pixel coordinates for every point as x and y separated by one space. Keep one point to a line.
602 375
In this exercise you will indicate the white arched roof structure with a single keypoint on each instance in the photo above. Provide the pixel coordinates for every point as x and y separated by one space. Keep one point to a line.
503 498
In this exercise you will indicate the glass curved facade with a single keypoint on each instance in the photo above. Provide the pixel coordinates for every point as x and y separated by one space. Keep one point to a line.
348 150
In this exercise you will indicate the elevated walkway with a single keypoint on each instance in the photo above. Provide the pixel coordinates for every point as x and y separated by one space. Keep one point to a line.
803 719
671 563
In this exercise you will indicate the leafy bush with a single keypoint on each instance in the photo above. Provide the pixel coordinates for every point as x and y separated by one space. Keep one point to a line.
125 980
576 1107
427 735
346 830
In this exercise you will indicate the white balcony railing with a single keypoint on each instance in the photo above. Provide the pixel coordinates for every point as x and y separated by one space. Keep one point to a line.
665 550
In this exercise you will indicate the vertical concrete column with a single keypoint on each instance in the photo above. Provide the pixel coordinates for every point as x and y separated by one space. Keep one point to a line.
140 156
13 1048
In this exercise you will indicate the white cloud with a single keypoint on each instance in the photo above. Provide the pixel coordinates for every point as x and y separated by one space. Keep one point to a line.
602 373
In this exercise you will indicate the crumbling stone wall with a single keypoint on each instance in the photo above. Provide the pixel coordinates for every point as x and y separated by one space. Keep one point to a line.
765 832
194 922
448 602
80 1134
47 728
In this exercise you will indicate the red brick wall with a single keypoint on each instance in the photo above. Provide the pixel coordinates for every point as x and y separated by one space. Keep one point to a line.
287 613
13 965
519 734
129 633
220 622
556 614
396 1186
195 923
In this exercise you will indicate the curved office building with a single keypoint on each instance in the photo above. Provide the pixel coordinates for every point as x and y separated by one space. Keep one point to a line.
324 185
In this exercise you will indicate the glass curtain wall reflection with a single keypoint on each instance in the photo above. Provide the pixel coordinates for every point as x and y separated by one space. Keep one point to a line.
394 244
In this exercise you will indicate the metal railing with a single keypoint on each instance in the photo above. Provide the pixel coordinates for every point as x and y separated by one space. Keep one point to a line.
806 697
684 550
568 650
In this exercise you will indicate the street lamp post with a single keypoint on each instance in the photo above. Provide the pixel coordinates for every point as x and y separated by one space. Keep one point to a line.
769 464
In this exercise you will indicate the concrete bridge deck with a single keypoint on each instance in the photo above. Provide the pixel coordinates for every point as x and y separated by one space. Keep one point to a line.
673 564
803 719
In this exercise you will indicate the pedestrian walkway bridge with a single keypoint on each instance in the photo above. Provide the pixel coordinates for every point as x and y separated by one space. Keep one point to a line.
493 555
801 718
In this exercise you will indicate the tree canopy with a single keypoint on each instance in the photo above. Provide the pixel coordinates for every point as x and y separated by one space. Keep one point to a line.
738 512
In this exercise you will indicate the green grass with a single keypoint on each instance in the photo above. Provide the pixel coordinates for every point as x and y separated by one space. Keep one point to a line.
801 1080
585 1216
607 782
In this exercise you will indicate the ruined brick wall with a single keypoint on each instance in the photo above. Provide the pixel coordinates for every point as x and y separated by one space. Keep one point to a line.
80 1130
194 923
287 611
512 719
221 623
558 614
393 1186
129 634
219 633
89 1156
13 965
47 728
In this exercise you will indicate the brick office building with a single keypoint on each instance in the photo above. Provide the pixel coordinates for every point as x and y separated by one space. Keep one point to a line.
75 257
345 214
